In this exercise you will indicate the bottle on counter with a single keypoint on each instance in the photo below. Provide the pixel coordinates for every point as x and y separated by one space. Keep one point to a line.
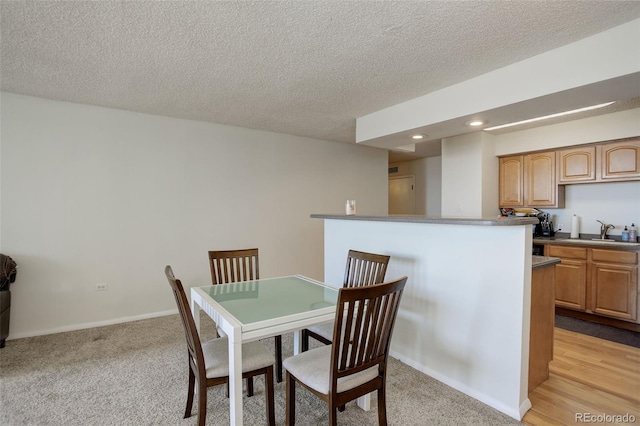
350 207
625 234
633 233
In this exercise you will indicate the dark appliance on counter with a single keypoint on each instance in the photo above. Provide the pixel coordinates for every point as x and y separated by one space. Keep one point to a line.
545 227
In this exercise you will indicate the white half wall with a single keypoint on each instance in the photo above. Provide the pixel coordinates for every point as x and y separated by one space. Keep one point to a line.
93 195
465 313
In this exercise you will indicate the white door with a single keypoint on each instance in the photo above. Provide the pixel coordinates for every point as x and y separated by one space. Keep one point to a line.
401 197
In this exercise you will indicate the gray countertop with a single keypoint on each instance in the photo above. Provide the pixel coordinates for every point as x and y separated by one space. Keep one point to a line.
489 221
589 243
538 262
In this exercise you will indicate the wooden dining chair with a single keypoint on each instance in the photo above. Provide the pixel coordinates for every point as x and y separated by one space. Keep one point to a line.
229 266
356 363
363 269
209 361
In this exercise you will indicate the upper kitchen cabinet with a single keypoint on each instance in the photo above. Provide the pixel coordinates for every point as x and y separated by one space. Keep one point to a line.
540 186
620 160
512 181
530 181
577 165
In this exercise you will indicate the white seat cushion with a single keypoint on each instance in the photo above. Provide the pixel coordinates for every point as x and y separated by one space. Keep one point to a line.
325 330
216 357
313 369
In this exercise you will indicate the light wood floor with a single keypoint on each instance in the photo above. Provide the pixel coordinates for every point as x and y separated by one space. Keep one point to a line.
587 375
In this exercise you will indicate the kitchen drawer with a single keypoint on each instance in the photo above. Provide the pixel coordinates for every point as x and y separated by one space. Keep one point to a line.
564 251
614 256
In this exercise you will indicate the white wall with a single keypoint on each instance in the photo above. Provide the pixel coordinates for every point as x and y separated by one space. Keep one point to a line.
615 203
461 176
434 186
490 179
428 182
94 195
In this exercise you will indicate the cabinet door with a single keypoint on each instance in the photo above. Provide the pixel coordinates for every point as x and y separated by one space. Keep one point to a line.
620 160
571 284
511 181
614 290
577 165
540 186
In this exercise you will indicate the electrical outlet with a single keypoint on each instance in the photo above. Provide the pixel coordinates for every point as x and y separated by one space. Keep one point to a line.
560 227
101 287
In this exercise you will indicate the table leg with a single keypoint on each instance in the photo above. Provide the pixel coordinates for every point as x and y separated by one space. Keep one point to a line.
364 402
235 382
297 342
195 311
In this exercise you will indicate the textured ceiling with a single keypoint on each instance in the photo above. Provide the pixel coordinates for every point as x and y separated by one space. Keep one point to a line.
307 68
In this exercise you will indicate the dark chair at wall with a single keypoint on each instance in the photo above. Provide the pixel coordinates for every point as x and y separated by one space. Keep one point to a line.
362 269
8 269
356 363
209 361
229 266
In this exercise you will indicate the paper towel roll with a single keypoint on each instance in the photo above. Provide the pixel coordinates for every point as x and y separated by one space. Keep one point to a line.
575 227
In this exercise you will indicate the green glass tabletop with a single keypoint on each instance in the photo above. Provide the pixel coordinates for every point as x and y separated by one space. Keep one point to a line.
265 299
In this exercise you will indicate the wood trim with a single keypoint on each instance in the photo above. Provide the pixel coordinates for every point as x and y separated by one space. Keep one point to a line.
542 325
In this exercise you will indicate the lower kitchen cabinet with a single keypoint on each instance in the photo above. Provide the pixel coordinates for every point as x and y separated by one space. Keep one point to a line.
614 284
571 277
597 281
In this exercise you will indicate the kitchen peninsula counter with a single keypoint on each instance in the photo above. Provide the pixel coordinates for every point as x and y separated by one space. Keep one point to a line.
497 221
538 262
465 315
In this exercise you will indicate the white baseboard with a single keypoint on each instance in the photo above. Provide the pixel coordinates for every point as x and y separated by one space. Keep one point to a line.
86 325
515 412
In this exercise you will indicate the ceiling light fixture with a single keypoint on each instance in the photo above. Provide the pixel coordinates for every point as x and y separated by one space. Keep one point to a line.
418 137
559 114
475 123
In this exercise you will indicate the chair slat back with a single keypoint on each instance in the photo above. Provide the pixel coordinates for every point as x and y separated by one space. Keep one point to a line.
365 269
364 323
193 339
229 266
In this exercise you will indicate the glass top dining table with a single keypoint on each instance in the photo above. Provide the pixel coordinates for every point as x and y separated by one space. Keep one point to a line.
250 310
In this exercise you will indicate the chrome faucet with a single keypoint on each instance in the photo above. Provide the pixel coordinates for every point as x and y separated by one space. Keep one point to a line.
604 228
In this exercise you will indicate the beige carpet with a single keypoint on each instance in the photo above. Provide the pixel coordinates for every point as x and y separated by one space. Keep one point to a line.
136 374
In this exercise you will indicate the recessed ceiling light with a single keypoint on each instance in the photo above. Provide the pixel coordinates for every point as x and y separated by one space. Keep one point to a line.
559 114
418 137
475 123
